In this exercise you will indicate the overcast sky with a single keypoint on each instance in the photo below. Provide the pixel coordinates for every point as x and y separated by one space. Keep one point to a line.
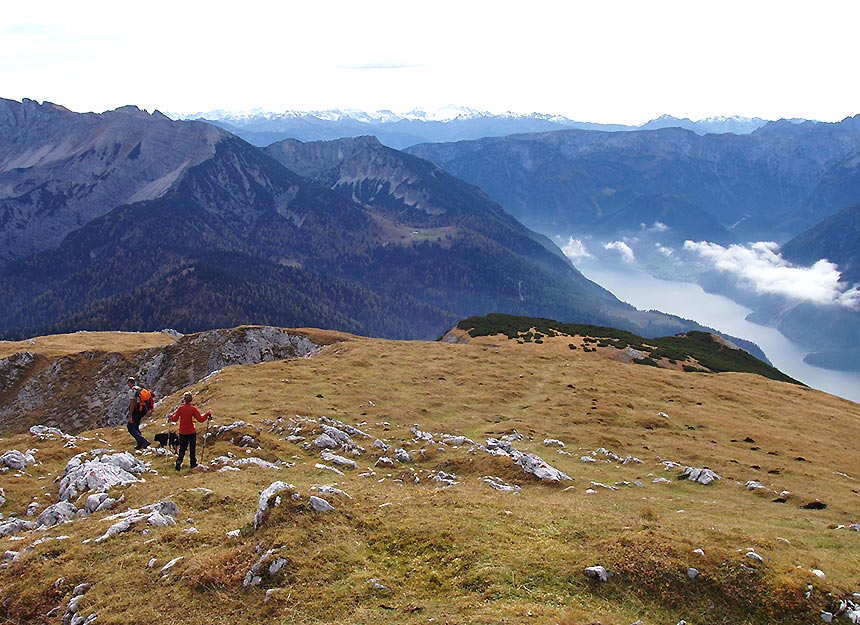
602 61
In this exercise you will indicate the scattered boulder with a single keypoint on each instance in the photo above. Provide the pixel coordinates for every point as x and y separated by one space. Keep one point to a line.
57 513
597 572
270 492
325 467
99 474
450 439
341 438
702 476
158 514
71 617
401 455
499 484
14 459
338 460
448 479
43 432
329 490
13 526
98 502
166 568
9 558
320 505
324 441
254 576
530 462
752 555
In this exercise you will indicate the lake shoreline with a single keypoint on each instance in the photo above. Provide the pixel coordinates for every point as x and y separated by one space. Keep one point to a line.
689 300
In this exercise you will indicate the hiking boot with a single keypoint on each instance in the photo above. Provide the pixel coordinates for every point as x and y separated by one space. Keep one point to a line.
177 466
193 465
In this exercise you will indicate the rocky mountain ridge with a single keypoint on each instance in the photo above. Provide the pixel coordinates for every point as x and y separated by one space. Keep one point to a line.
760 186
86 390
60 170
401 130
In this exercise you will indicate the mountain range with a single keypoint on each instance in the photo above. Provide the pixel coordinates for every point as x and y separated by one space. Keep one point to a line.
793 183
771 184
126 220
401 130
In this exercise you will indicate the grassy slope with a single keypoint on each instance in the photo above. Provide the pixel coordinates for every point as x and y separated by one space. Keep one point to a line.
65 344
469 553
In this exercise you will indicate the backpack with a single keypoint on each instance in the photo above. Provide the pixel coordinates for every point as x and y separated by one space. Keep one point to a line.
145 402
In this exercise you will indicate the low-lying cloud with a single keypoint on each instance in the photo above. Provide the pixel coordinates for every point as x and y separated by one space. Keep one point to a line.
761 267
622 248
575 250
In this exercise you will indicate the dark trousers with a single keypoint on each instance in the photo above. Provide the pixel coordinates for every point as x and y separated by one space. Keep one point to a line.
134 429
187 441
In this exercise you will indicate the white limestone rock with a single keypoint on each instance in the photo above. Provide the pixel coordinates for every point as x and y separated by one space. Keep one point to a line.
338 460
14 459
329 490
13 526
702 476
597 572
57 513
320 505
270 492
100 474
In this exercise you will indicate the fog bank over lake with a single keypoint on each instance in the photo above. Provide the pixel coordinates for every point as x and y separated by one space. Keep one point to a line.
689 300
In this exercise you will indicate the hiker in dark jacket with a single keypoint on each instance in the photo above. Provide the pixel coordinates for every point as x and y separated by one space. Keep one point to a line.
186 414
134 415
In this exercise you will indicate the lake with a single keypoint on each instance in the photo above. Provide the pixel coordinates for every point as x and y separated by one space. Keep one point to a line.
688 300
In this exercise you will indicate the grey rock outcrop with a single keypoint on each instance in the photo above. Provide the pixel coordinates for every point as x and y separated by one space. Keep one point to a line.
14 459
57 513
99 474
272 491
29 382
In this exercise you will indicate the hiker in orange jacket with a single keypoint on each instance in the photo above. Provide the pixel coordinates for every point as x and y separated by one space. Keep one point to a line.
186 414
134 415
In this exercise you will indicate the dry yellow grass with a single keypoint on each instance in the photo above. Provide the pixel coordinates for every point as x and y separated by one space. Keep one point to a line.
468 553
65 344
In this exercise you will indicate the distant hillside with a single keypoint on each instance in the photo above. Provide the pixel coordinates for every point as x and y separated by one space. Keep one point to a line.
692 352
757 186
837 239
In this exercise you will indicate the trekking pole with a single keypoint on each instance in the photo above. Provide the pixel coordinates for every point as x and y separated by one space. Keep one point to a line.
205 436
169 444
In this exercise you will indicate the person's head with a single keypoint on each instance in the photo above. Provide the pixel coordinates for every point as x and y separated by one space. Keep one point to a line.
187 397
130 381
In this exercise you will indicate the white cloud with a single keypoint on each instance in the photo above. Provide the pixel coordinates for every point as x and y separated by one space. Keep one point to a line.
622 248
575 250
760 266
657 226
665 251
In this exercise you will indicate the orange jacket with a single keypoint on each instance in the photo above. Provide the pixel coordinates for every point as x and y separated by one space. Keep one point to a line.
186 414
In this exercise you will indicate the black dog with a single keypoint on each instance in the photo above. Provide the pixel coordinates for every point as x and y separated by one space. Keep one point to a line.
168 438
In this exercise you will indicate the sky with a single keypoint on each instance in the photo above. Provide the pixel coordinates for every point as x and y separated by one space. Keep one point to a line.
600 61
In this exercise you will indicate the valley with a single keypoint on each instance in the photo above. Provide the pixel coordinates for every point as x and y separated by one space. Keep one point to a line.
687 299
